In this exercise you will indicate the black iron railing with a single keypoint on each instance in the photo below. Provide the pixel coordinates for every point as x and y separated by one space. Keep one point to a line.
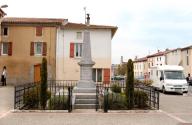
111 96
27 96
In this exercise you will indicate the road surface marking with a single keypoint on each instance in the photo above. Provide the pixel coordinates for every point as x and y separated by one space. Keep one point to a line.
174 117
4 114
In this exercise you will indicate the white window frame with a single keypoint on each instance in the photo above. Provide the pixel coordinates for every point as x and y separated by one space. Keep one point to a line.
4 54
35 52
80 47
79 35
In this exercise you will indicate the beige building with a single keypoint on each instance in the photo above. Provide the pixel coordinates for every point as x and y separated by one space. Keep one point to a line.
25 41
2 14
186 55
173 57
140 68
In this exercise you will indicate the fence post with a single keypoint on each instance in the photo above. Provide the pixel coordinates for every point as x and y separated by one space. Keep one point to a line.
15 98
69 99
106 100
150 98
158 100
97 98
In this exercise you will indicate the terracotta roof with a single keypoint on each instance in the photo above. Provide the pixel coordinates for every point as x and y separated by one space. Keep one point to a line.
156 54
140 59
2 13
83 26
188 47
16 20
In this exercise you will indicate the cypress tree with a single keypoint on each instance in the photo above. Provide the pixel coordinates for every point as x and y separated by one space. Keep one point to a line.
130 85
43 92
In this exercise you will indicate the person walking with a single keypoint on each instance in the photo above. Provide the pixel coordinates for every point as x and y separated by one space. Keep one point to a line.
4 76
188 77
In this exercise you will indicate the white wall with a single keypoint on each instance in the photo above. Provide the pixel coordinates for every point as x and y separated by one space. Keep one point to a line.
67 68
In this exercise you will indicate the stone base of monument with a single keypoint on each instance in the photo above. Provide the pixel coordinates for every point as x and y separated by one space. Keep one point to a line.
85 95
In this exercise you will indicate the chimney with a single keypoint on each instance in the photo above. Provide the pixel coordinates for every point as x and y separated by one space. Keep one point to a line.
121 59
158 50
136 57
88 20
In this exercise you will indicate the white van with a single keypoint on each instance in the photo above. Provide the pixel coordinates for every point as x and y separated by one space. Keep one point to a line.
169 78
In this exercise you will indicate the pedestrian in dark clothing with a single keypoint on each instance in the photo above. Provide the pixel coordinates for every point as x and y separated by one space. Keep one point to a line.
4 76
188 77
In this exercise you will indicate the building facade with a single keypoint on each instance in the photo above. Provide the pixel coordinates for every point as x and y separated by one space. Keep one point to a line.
186 55
69 51
173 57
140 68
25 41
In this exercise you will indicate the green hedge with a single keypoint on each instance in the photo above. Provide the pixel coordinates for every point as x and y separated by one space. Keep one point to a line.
140 99
32 97
116 88
118 101
58 102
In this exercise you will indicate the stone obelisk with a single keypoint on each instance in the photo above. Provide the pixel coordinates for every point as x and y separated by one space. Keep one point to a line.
86 62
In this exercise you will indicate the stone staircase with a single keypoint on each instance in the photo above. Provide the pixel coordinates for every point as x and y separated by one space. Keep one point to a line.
85 98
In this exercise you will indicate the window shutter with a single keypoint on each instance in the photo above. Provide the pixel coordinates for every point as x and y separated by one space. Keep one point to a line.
71 50
0 48
10 48
44 49
39 31
32 49
106 75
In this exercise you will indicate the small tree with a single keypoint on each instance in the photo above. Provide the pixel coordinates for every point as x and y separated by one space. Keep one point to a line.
43 94
130 85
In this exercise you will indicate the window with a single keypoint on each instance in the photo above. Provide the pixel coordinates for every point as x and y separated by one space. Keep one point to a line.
38 48
157 58
4 49
187 60
160 58
5 31
187 51
97 75
78 49
79 35
39 31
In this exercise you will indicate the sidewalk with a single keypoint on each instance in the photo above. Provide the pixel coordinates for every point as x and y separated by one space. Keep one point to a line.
6 99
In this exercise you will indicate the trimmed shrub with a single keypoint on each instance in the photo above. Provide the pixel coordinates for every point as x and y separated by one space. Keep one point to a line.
130 85
117 101
31 99
58 103
140 99
116 88
43 94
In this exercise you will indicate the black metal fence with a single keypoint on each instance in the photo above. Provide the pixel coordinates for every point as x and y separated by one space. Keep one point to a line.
27 96
111 96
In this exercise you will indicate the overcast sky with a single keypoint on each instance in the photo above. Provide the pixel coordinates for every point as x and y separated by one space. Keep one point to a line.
144 26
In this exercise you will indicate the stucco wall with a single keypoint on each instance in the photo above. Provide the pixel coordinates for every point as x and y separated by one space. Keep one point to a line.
187 68
20 65
67 68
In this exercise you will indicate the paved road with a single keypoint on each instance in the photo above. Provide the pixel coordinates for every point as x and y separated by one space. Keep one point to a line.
177 106
175 110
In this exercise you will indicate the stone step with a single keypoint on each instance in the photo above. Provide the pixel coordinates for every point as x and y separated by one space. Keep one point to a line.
85 96
84 106
85 101
85 90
